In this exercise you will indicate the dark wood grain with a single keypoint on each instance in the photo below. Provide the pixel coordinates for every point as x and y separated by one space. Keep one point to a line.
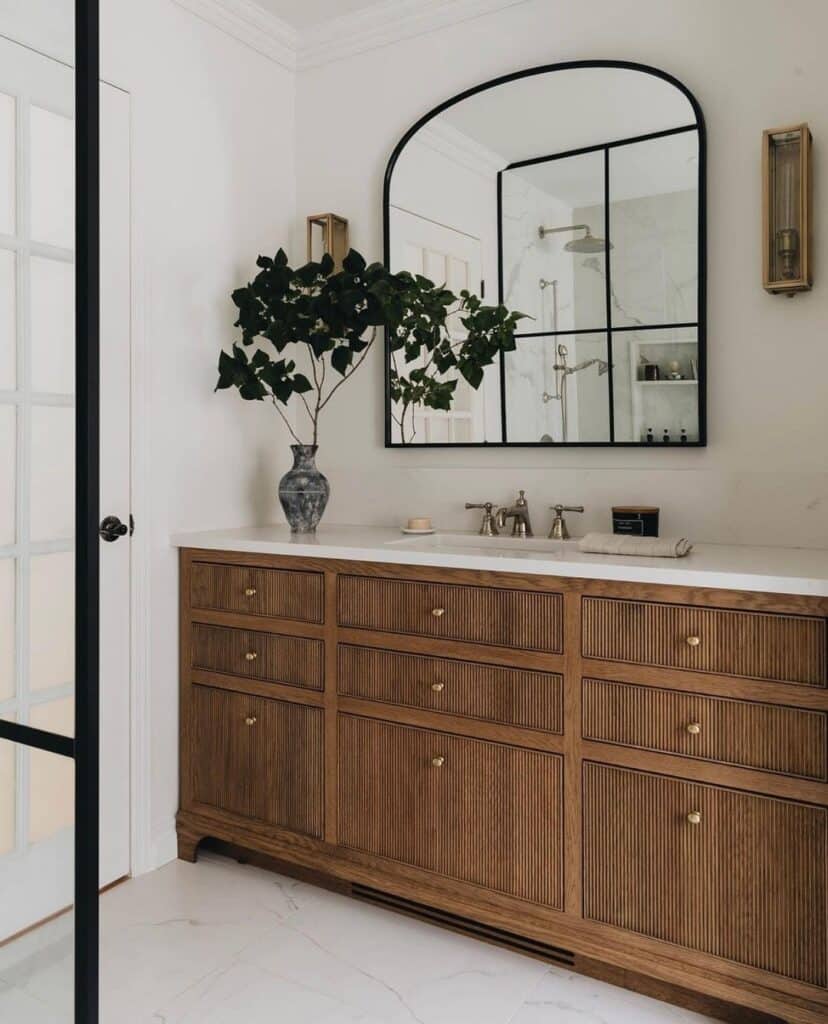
488 814
747 883
786 648
502 617
268 657
765 736
532 700
277 593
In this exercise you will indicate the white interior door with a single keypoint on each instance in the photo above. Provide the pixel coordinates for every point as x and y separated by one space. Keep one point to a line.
37 350
449 257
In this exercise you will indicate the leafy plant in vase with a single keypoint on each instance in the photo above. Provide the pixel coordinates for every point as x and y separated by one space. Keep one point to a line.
330 318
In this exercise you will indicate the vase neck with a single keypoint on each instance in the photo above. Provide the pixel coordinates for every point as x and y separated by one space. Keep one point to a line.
304 456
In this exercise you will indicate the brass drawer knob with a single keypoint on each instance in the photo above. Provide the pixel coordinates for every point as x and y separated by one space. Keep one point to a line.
693 641
438 761
694 728
251 656
694 817
250 720
437 687
249 591
438 613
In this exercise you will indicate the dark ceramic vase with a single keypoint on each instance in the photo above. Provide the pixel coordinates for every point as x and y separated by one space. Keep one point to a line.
303 490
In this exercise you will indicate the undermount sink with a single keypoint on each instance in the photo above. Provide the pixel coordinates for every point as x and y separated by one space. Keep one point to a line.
501 545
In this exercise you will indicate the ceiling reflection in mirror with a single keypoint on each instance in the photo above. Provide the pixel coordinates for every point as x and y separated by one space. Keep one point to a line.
573 195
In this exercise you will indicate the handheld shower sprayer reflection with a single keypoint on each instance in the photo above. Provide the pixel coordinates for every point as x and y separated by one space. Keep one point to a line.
589 243
563 371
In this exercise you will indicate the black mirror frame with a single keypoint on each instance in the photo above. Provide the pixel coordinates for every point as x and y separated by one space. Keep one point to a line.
702 256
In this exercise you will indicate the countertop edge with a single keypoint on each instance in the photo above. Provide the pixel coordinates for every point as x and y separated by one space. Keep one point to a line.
617 570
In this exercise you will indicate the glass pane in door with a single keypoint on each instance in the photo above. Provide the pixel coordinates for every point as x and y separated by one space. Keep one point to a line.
37 528
36 964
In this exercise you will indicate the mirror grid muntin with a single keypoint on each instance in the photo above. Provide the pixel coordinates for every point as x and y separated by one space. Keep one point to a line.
696 436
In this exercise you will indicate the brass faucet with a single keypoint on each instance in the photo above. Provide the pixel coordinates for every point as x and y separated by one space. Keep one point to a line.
519 514
488 528
559 530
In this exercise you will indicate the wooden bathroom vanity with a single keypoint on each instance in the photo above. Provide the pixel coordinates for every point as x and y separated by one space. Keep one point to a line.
619 765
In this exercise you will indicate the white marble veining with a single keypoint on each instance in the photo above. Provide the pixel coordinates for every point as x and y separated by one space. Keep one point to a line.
218 943
776 570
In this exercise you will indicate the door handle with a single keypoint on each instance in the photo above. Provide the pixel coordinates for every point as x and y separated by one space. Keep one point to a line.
112 528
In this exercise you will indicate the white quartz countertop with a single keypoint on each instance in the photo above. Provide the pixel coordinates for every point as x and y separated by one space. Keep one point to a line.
729 566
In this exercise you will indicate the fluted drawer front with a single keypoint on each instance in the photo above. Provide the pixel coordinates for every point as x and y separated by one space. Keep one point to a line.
487 615
759 645
765 736
258 758
531 700
270 657
483 813
278 593
732 874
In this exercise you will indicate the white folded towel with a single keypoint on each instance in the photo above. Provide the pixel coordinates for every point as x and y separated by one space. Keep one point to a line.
623 544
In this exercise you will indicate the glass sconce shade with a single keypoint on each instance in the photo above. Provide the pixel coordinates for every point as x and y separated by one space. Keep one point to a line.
787 209
327 233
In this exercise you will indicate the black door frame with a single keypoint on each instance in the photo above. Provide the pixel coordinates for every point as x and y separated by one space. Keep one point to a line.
84 748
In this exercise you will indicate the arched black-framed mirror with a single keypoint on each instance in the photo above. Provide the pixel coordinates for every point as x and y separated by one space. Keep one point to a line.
574 193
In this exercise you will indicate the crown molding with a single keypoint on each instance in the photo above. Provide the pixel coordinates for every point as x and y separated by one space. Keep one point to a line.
387 22
381 24
458 147
251 25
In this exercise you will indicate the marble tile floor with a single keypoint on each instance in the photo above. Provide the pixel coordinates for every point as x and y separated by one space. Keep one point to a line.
221 943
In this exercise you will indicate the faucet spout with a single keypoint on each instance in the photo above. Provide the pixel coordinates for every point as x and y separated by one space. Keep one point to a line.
519 514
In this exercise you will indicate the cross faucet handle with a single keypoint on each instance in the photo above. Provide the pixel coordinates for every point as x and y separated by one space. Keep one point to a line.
488 528
559 529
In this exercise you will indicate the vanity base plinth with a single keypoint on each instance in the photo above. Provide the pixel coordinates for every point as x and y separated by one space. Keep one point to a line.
575 769
581 946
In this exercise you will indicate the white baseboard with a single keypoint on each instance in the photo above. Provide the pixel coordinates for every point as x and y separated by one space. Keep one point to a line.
161 849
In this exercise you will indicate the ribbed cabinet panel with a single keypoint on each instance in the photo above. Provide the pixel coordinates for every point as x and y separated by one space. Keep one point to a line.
277 593
295 661
747 884
531 700
270 769
758 645
491 814
222 755
489 615
766 736
289 783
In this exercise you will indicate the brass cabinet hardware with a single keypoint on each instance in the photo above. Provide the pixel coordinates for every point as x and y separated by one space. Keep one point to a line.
693 641
694 728
249 591
438 612
694 817
438 761
437 687
250 720
251 656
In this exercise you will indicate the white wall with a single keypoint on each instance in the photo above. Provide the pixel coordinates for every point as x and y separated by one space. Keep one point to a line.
213 185
763 478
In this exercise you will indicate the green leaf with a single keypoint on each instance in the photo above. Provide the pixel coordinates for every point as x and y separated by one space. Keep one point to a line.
341 359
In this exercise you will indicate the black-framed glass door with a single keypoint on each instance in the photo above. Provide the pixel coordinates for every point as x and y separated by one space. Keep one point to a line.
49 467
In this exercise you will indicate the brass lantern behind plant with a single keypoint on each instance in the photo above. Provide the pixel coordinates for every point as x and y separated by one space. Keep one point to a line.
328 233
786 209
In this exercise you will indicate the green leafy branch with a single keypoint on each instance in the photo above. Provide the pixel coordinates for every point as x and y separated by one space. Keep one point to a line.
333 316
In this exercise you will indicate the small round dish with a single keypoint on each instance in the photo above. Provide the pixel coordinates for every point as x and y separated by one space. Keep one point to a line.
418 533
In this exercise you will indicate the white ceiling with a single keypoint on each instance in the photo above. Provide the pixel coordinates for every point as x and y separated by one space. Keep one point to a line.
304 14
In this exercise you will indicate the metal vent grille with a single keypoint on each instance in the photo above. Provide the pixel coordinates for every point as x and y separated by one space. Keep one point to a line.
445 919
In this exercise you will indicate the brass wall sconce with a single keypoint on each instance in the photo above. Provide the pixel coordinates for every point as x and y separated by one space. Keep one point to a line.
786 209
327 233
